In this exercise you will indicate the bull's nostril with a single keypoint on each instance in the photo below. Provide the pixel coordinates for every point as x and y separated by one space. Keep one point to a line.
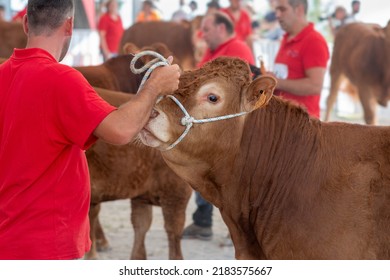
154 114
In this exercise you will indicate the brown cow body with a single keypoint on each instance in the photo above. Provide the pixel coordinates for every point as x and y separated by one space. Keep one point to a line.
361 54
131 171
287 186
113 74
176 36
11 36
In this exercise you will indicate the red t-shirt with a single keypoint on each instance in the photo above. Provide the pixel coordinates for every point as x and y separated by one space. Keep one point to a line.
48 113
306 50
242 26
113 29
233 48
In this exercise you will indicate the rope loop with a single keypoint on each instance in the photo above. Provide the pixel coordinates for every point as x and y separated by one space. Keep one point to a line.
159 60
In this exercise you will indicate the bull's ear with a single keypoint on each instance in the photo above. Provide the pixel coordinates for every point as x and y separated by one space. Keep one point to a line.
259 92
130 48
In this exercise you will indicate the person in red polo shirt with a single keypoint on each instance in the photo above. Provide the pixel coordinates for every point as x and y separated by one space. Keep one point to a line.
110 30
300 64
218 33
49 116
241 20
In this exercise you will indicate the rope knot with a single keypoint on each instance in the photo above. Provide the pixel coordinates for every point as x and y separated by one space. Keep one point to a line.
187 120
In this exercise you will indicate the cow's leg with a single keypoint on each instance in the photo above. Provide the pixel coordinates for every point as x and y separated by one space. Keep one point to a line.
335 81
93 214
368 100
174 220
101 240
141 219
245 242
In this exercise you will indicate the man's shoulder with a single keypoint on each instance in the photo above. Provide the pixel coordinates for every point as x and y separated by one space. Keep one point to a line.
313 34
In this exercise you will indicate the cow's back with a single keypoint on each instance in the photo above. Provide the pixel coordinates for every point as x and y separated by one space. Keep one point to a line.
177 37
359 52
11 36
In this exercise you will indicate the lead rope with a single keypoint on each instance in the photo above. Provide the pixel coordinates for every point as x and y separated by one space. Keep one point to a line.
159 60
187 120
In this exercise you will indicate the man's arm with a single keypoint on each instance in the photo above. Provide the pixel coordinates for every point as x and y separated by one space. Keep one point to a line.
123 124
311 84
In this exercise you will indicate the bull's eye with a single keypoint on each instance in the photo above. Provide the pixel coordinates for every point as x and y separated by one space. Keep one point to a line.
212 98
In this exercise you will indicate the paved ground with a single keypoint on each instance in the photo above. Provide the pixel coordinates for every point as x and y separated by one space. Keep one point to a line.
115 218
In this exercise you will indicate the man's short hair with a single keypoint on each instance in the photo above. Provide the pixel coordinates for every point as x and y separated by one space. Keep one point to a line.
45 16
2 7
295 3
222 18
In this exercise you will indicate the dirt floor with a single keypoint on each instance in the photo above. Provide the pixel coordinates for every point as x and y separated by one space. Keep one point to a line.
115 218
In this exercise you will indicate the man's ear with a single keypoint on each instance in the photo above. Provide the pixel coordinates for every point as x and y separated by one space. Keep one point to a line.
69 26
259 92
25 24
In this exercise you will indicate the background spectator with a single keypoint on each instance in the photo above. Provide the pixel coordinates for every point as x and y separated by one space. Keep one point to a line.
110 30
182 14
148 12
241 20
2 13
300 64
193 9
337 19
355 9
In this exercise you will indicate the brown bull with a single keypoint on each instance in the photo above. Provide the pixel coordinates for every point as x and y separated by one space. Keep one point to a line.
287 186
11 36
131 171
361 53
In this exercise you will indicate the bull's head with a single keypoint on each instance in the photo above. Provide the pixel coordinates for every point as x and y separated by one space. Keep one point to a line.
222 87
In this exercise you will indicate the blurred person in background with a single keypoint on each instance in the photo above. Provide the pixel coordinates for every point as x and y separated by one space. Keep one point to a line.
193 9
241 20
2 13
355 9
183 13
110 29
148 12
300 64
337 19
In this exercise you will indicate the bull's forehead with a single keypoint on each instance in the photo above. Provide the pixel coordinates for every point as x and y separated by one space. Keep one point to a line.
226 71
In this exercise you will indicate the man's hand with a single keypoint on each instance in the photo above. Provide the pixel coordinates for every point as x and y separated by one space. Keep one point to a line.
164 80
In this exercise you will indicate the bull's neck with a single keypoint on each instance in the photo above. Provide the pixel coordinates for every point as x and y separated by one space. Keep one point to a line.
278 142
207 172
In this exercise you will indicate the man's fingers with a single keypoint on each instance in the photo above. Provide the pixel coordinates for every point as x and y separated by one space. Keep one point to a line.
170 59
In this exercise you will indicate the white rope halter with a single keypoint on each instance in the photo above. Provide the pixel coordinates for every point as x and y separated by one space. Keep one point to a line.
187 120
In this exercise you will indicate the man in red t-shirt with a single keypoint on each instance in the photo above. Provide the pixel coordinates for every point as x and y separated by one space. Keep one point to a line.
241 20
300 64
110 30
218 33
49 115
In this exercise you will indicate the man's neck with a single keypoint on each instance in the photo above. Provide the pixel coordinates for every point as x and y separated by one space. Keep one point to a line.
45 43
297 29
